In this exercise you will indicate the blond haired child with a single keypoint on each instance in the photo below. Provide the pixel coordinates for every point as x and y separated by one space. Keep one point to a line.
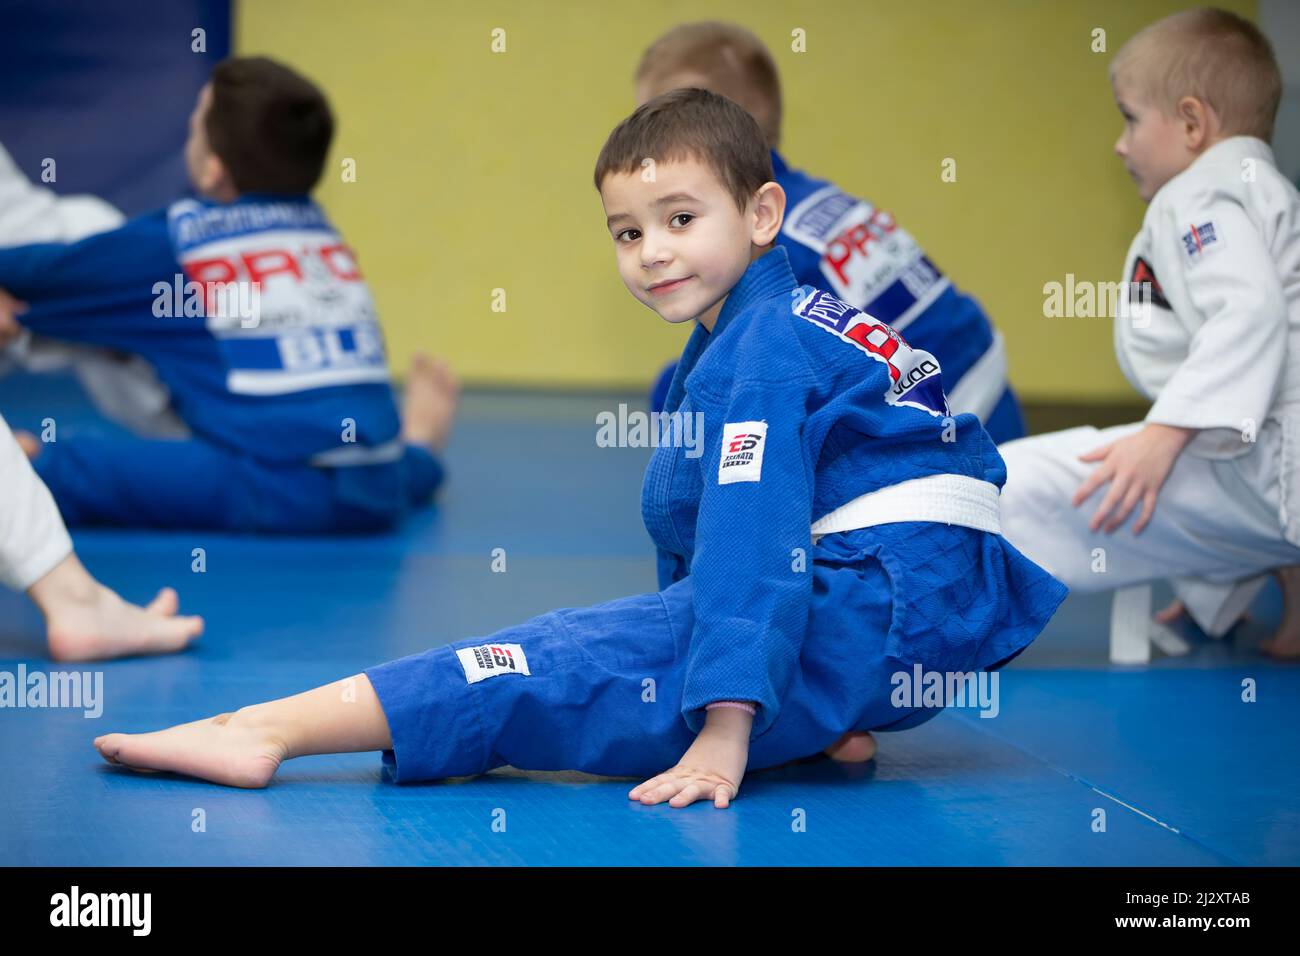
1210 334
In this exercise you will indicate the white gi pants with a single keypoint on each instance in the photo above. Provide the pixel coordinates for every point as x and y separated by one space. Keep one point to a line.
1215 533
33 538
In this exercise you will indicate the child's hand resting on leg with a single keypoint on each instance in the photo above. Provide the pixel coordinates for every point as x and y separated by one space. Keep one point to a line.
1136 466
711 768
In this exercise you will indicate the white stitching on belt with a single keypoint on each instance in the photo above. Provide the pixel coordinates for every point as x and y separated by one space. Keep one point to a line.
950 499
351 455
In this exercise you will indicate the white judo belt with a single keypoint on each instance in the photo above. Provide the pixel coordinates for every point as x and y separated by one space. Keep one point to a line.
950 499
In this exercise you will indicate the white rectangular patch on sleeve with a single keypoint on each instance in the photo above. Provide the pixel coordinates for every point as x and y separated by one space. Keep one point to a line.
742 452
492 660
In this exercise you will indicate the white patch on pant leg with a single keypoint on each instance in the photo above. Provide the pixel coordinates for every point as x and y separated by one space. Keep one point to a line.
492 660
742 452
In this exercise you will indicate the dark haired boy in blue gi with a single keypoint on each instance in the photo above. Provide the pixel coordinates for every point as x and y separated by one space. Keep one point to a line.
841 528
255 315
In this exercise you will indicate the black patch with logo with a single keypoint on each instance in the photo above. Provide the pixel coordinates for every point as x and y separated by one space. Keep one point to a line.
1145 275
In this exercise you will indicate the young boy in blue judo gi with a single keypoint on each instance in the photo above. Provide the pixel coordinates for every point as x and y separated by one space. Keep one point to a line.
838 242
840 528
258 321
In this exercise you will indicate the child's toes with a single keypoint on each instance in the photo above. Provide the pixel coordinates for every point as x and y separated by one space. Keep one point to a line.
446 377
108 746
175 633
165 603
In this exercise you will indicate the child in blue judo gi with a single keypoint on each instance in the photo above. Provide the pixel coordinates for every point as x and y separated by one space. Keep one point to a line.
256 317
839 529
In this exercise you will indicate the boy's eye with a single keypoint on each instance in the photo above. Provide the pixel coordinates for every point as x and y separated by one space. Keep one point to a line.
618 237
682 215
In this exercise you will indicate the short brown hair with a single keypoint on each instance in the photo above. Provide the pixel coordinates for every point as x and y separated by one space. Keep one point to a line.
691 123
1218 57
730 59
269 125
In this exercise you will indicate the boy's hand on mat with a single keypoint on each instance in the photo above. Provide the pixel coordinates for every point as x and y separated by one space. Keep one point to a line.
1136 466
10 309
711 769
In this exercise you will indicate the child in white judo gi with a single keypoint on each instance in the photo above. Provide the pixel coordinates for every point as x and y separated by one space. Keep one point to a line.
84 620
1210 332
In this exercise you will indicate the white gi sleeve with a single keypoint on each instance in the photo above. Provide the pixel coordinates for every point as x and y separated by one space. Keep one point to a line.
1238 349
33 538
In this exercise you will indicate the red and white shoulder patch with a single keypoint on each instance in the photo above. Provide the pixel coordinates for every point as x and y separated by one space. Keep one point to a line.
915 379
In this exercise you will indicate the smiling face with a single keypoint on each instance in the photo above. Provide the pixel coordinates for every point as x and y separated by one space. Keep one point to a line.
681 241
1154 147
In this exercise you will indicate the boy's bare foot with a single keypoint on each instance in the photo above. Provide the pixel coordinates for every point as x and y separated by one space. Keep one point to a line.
1174 611
29 443
429 402
236 750
857 746
1285 642
86 621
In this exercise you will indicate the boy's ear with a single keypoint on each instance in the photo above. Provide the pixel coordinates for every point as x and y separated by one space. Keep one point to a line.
769 213
215 181
1199 122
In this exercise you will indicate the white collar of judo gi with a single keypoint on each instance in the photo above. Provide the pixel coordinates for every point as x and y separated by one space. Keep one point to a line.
1233 151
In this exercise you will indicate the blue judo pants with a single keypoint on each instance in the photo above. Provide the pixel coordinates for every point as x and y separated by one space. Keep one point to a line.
604 687
191 483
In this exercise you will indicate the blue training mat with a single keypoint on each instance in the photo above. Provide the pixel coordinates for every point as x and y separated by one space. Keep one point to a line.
1185 771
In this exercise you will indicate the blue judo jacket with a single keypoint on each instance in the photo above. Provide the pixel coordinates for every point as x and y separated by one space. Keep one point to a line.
806 404
860 253
254 314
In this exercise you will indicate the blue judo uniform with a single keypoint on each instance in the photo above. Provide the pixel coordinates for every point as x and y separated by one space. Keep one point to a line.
848 246
806 404
259 323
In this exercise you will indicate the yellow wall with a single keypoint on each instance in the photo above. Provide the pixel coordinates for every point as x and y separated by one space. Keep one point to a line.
473 167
